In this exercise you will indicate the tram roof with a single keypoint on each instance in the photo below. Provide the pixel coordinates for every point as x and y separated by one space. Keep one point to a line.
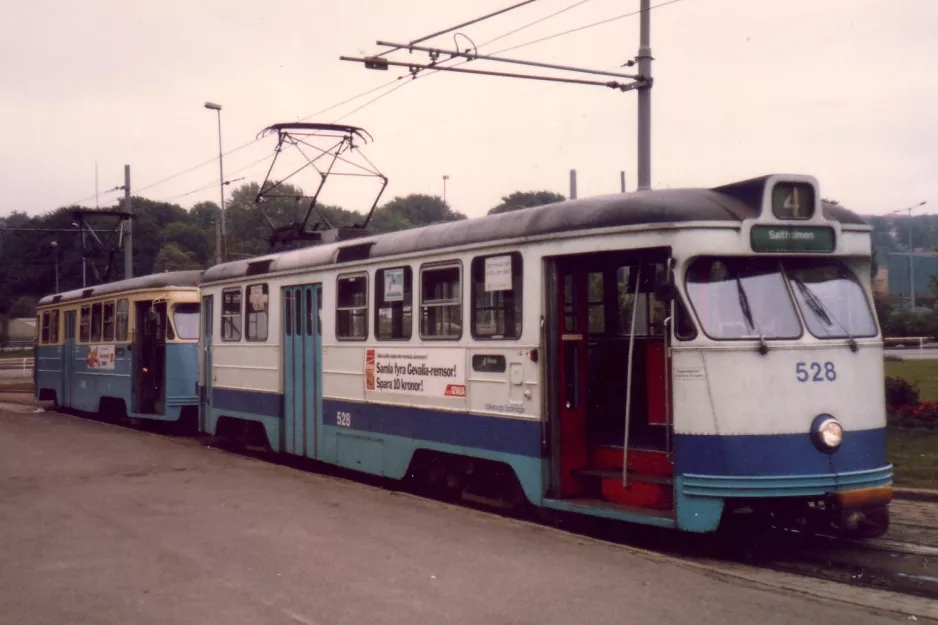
667 206
188 278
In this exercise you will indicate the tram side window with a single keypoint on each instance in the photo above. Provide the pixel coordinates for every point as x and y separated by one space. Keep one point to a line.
96 322
186 318
45 328
231 315
497 296
123 316
351 313
394 303
256 307
84 325
441 302
54 326
596 303
109 321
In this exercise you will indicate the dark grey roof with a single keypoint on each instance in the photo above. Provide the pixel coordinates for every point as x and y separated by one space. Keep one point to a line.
153 281
644 207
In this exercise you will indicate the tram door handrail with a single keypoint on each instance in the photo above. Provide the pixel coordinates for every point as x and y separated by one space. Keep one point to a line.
628 379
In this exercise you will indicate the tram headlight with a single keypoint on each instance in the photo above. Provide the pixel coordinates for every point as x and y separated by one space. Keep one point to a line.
827 433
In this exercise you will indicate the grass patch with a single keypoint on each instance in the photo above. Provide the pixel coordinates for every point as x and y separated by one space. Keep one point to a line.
913 453
922 372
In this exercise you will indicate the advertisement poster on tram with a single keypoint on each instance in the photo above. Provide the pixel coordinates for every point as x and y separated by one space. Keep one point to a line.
425 372
100 357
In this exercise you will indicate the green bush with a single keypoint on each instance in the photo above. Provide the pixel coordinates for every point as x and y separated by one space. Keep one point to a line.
900 392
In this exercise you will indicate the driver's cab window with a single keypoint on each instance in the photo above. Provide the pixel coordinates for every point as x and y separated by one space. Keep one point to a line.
650 311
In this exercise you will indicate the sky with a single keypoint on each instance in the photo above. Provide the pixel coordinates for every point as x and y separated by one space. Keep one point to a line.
844 90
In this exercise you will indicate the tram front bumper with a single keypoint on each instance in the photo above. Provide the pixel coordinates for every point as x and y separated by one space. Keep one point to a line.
861 498
875 483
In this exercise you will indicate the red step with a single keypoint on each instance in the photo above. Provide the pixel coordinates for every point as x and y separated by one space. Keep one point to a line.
638 494
641 462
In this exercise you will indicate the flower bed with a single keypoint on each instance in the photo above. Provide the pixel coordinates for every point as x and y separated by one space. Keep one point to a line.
921 415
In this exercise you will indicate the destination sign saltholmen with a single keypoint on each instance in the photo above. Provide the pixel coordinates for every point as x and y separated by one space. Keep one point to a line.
792 239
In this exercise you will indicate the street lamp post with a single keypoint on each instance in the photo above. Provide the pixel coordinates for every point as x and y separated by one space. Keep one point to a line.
445 178
220 225
55 251
911 253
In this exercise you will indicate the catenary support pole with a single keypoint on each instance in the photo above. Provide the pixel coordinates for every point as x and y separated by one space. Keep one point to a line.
644 100
128 239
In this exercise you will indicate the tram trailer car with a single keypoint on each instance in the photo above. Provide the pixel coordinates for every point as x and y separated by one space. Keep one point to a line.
127 348
664 357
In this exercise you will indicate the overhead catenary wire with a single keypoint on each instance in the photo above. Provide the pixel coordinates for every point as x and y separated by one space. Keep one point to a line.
431 70
398 82
416 75
464 24
90 197
535 22
214 159
355 97
585 27
215 183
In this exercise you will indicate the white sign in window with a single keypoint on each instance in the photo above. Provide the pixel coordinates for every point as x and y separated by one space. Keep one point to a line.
258 297
394 285
498 273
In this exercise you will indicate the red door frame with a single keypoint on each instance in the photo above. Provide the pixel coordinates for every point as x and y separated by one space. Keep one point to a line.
572 338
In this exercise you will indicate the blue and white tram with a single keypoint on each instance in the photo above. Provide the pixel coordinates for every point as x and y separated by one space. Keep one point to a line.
127 348
662 357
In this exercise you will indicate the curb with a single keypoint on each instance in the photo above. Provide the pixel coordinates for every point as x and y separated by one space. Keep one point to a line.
915 494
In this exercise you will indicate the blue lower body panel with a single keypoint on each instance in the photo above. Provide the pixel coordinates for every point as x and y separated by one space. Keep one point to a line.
777 454
382 440
87 386
715 469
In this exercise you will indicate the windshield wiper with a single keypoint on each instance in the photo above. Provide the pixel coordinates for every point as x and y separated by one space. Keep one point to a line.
747 313
818 308
815 304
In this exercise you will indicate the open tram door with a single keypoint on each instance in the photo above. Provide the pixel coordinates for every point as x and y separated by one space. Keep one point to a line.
149 357
609 379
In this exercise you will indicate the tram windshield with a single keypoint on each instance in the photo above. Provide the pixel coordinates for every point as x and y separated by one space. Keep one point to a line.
831 299
740 298
747 298
186 320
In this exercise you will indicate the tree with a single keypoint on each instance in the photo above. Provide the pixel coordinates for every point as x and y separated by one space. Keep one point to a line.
152 219
526 199
338 216
884 308
412 211
248 233
24 306
171 257
199 244
204 215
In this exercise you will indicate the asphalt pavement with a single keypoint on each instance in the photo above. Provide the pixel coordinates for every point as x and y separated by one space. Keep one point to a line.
106 524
